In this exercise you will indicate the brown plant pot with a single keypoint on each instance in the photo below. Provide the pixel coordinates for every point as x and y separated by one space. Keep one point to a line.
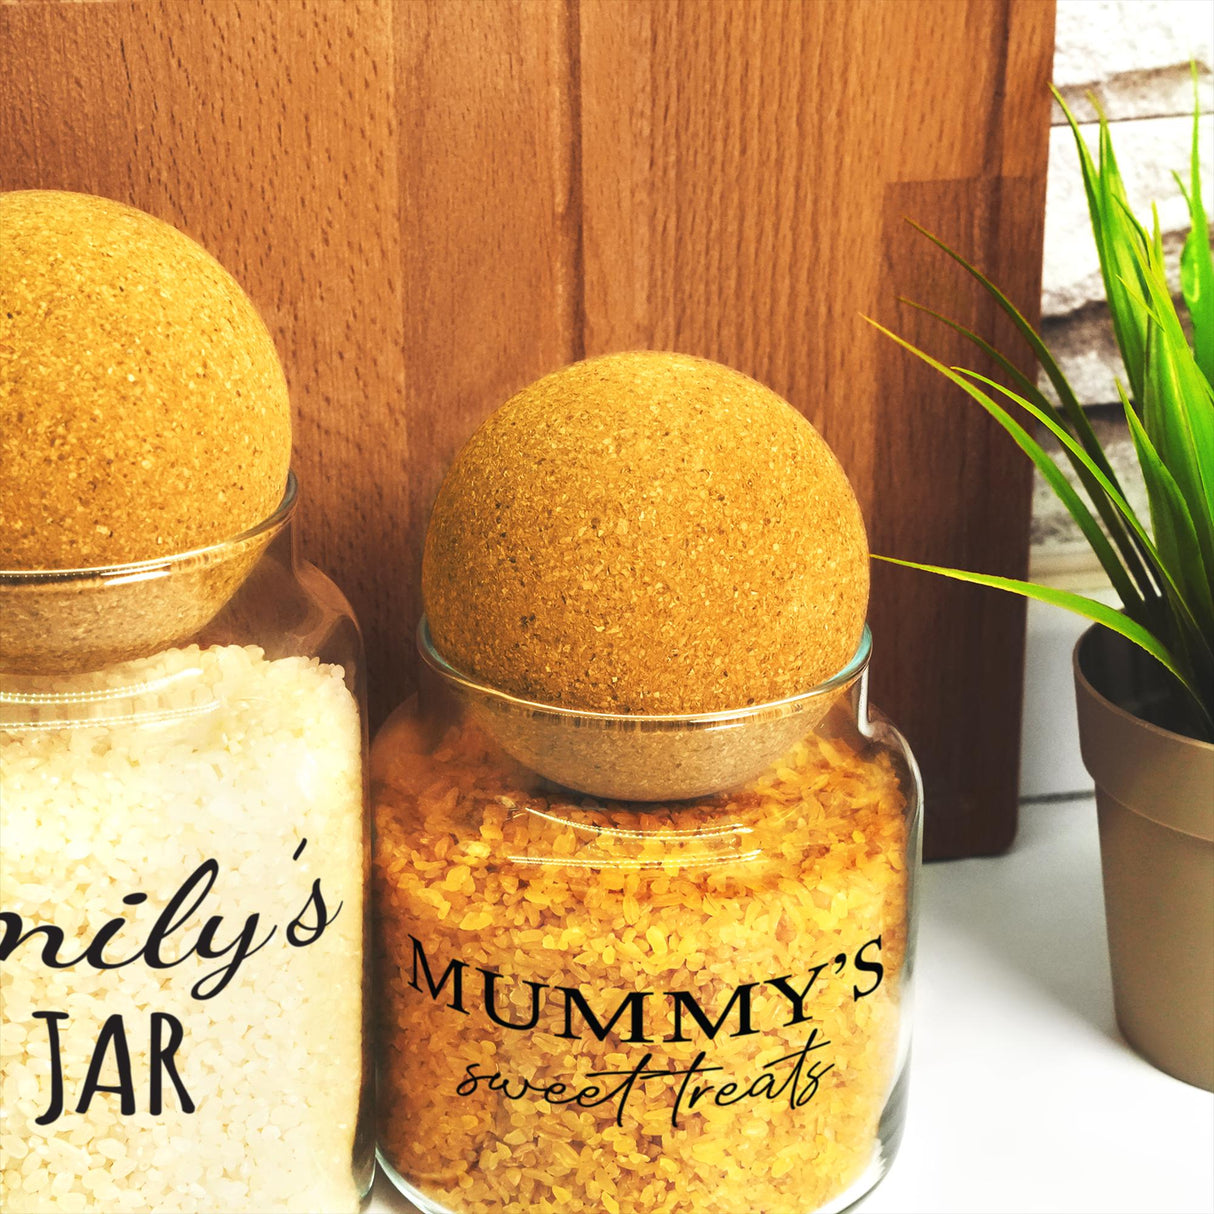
1155 803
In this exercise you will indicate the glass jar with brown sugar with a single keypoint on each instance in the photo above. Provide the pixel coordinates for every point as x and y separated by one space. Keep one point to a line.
642 963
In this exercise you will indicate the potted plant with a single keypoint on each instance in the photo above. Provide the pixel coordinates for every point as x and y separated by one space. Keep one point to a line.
1144 675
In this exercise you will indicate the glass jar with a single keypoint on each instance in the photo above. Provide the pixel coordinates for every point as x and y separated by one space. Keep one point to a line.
185 853
693 1006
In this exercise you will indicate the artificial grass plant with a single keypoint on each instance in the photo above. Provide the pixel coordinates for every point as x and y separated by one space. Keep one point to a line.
1164 573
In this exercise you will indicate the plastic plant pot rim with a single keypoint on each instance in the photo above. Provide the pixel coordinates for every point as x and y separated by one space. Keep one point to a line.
1115 709
856 667
192 558
1156 773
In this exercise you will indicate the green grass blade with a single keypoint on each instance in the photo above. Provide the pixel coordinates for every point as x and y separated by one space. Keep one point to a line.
1180 424
1117 234
1123 240
985 346
1196 262
1176 535
1099 542
1141 607
1173 590
1178 405
1066 394
1100 486
1100 613
1087 171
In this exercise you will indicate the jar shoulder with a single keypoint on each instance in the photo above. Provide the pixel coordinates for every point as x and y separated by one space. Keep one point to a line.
446 796
289 608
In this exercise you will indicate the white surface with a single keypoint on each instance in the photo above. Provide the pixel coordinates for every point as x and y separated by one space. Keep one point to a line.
1050 764
1023 1098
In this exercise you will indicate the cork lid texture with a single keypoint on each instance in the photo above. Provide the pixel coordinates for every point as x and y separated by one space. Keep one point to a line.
641 533
647 533
143 409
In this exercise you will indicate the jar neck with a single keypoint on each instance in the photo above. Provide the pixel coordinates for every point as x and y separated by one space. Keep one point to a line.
64 621
847 686
637 757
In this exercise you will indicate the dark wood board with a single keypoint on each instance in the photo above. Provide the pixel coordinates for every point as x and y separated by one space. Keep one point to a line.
435 201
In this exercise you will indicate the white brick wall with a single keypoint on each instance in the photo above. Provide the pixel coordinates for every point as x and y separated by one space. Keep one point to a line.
1133 54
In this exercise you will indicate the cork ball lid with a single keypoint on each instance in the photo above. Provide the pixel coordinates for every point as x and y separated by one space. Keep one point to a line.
143 409
647 533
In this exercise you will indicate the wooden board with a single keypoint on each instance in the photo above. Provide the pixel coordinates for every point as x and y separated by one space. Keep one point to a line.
434 201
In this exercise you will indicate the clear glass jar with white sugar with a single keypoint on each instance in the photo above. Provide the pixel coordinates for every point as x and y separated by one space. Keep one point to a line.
184 849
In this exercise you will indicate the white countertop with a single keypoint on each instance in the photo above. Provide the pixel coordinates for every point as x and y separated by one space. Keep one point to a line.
1023 1097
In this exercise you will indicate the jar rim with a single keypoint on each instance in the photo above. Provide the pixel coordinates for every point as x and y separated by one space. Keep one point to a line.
847 674
263 531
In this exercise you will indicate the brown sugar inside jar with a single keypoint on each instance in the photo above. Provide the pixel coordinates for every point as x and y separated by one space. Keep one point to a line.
694 1006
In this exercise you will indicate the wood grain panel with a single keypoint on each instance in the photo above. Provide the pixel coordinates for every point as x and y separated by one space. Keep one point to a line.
390 183
266 131
490 227
741 163
948 658
435 201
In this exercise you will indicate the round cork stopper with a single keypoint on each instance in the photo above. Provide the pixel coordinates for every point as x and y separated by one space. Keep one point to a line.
143 409
647 533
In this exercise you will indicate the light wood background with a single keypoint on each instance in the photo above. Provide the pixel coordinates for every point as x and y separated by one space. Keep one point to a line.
435 201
